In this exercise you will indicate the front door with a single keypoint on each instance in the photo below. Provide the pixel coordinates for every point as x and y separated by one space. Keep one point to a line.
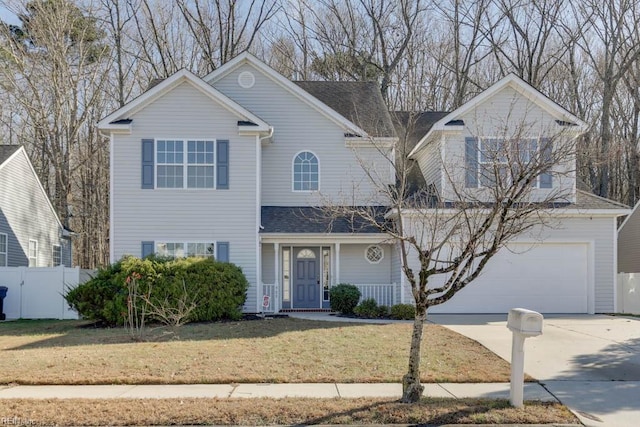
306 278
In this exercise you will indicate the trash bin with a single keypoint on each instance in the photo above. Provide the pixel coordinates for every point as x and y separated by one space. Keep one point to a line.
3 293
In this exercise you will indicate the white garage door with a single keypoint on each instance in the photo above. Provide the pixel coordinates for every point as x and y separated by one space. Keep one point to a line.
549 278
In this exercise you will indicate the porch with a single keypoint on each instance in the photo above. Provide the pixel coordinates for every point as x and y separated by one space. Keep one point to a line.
384 294
298 274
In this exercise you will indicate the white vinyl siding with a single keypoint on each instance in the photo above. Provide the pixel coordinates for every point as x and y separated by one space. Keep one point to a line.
430 163
298 126
187 215
354 267
4 247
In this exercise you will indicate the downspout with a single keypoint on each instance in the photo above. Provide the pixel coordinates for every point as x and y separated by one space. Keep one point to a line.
269 135
259 287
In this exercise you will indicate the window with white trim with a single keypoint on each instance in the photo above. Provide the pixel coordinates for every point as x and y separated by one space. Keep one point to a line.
56 255
33 253
174 169
4 250
374 254
186 249
501 159
306 172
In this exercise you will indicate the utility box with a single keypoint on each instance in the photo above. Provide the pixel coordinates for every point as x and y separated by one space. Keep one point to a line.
525 322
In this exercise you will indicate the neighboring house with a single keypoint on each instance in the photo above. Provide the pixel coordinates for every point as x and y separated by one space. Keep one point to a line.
30 232
629 243
236 164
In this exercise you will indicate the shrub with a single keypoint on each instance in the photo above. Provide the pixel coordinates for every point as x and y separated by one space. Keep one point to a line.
403 312
217 289
344 298
368 308
383 311
103 298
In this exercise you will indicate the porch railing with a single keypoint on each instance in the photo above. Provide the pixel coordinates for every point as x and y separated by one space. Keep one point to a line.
269 290
384 294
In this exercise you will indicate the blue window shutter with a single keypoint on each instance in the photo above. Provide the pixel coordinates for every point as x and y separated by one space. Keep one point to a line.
471 162
546 179
147 163
222 251
147 249
222 164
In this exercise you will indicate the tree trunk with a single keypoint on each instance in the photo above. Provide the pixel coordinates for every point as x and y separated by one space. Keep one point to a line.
411 387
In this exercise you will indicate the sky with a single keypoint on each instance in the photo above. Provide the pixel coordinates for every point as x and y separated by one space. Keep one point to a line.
7 16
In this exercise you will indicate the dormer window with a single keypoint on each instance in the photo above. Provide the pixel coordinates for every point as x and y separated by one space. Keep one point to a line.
306 172
498 159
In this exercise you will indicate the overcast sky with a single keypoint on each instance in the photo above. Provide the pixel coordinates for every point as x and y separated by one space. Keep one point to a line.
7 16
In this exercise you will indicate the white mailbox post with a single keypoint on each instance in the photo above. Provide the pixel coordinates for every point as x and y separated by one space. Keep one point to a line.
524 324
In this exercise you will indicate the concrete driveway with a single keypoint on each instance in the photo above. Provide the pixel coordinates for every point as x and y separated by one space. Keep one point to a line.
591 363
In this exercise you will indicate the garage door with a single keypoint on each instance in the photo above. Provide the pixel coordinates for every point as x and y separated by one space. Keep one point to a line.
549 278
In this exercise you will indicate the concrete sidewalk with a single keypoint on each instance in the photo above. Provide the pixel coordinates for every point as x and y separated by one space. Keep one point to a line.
532 391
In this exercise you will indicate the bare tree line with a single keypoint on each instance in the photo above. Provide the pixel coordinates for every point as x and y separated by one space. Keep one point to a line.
70 62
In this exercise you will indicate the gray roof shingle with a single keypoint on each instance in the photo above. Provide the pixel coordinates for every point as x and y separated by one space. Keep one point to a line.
412 126
304 219
359 102
588 200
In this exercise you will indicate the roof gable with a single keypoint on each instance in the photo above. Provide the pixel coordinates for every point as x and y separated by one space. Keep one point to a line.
562 116
19 152
120 119
294 89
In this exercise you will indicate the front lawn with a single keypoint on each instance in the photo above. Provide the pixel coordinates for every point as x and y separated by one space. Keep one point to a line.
275 350
119 412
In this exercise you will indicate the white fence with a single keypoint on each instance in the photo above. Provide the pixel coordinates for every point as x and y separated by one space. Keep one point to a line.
37 293
629 293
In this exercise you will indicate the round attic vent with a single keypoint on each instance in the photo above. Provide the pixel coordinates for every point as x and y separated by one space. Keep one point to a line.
246 79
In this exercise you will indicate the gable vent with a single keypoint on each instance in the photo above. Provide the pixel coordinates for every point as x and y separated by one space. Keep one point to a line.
246 79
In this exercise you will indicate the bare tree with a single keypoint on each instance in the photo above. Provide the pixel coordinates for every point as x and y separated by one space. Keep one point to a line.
467 22
364 40
525 36
222 29
611 41
447 235
51 67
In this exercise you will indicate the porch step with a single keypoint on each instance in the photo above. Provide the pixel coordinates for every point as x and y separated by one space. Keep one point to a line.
306 310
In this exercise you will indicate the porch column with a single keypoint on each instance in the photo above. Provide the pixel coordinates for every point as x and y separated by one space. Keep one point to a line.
276 291
337 263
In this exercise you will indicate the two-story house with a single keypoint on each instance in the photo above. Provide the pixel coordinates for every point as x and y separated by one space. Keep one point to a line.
31 234
238 164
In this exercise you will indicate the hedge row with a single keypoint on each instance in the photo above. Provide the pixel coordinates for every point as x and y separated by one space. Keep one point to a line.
217 289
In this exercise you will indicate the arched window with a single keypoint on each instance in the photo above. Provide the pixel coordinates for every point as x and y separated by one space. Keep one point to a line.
305 172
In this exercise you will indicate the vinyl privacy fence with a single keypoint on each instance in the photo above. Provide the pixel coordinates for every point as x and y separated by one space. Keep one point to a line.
37 293
628 293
